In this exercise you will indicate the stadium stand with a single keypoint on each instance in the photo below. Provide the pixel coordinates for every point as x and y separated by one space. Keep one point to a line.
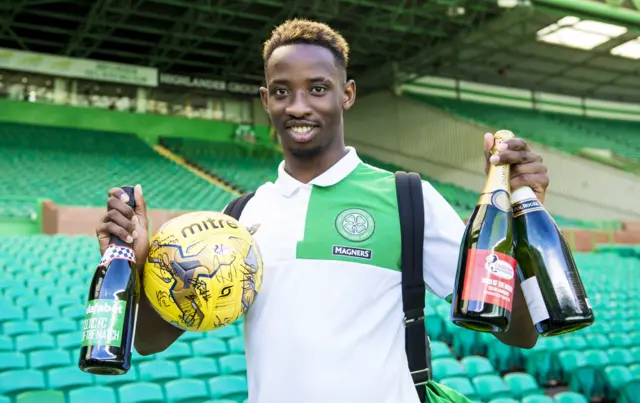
564 132
76 167
40 331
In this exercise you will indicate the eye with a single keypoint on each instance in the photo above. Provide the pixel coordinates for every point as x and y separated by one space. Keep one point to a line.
318 89
280 92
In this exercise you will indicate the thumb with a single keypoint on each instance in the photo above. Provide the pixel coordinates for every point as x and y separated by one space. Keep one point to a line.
141 204
488 146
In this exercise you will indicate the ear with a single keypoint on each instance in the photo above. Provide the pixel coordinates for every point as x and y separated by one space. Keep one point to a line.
349 96
264 97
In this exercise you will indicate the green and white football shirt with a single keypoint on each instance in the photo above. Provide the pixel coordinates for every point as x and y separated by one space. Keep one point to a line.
327 326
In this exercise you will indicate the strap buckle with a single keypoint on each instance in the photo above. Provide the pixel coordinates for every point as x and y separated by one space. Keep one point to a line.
421 376
413 316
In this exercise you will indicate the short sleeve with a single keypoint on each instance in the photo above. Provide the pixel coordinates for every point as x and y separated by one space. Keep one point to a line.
443 234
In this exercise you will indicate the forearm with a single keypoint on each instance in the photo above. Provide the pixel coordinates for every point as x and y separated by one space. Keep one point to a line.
153 334
521 332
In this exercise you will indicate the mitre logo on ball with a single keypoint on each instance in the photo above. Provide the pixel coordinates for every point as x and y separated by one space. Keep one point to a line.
203 271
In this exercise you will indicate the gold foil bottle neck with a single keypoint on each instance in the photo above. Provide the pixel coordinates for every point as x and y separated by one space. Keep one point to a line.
501 136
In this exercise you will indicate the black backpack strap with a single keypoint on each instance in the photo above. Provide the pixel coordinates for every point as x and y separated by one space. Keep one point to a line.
235 207
417 345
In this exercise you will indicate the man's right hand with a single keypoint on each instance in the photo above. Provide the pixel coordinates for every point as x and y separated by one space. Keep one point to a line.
130 225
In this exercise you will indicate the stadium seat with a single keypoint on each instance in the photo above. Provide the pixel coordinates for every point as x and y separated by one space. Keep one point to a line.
522 385
537 399
115 381
611 380
45 359
41 396
570 397
21 327
447 368
236 345
490 387
43 313
186 390
476 365
461 385
56 326
209 347
15 381
176 351
233 364
98 394
11 360
158 370
199 367
30 342
10 312
225 332
228 387
68 340
440 350
6 344
65 378
140 392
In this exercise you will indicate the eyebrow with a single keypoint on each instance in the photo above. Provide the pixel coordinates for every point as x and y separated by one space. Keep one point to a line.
284 81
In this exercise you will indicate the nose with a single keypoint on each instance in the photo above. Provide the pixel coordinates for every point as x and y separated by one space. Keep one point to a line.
299 107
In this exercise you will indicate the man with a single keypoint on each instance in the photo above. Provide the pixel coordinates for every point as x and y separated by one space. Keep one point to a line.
327 325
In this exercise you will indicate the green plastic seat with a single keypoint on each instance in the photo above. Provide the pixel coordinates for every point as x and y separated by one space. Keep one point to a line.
9 313
461 385
43 313
522 385
610 381
570 397
30 342
15 381
199 367
41 396
158 370
583 379
98 394
69 340
69 377
233 364
490 387
6 344
115 381
21 327
12 360
140 392
447 368
504 400
176 351
228 387
537 399
57 326
186 390
44 359
209 347
440 350
476 365
236 345
225 332
190 336
620 356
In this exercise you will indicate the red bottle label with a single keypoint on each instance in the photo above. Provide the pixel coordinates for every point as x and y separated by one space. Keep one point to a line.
489 278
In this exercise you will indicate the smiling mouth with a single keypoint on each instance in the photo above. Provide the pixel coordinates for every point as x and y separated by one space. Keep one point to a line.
302 134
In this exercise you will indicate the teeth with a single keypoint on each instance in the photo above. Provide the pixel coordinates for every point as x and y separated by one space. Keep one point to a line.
301 129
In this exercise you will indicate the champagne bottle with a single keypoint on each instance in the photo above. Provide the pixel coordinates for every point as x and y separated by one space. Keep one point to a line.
551 284
112 308
485 280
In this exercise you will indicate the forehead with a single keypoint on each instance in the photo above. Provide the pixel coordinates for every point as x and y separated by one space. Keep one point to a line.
302 60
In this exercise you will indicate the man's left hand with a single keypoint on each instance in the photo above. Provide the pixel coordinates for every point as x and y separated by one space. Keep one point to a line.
527 168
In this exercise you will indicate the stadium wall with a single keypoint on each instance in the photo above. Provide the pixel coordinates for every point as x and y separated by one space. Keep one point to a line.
425 139
146 126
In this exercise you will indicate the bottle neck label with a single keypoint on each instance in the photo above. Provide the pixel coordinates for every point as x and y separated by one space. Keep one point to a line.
117 252
497 190
524 201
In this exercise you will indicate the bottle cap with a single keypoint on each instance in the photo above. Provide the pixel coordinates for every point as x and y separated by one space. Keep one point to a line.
502 136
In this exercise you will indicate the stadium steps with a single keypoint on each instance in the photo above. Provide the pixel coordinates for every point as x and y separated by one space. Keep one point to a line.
165 152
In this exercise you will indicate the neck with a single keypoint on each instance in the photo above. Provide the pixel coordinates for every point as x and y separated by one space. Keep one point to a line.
306 169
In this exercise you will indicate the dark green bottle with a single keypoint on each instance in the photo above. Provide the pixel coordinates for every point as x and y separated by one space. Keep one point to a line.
485 280
551 284
112 308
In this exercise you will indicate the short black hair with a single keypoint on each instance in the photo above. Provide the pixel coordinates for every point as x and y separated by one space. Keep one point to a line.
304 31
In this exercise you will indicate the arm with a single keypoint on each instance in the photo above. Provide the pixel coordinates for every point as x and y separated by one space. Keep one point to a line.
444 230
153 334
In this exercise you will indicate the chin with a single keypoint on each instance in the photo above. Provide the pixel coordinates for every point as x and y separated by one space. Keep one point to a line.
305 152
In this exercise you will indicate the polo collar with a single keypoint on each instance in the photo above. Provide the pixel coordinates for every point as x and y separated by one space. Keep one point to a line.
330 177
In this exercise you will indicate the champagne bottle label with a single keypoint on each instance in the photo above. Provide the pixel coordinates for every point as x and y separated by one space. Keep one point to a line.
103 323
117 252
524 201
535 301
489 278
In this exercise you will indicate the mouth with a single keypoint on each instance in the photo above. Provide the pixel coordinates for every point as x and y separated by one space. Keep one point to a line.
302 133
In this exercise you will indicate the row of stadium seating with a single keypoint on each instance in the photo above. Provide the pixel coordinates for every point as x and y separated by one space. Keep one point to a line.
77 167
43 286
568 133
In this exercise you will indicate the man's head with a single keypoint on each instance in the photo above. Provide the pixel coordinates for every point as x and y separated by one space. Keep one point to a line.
306 86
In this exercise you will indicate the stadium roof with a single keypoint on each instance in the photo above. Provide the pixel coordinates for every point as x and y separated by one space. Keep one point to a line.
468 39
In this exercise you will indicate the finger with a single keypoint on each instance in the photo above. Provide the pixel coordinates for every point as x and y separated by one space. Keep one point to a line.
112 229
116 204
514 157
536 167
534 181
141 203
116 217
488 143
119 193
517 144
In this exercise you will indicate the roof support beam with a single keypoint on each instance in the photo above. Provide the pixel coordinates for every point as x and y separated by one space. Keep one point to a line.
607 11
